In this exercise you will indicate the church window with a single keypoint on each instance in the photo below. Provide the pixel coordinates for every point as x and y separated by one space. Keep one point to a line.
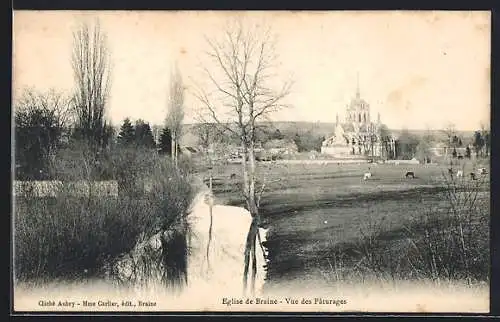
364 116
359 118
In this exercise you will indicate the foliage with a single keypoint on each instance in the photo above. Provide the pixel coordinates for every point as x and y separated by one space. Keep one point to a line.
165 144
144 135
127 133
40 126
406 145
75 233
308 142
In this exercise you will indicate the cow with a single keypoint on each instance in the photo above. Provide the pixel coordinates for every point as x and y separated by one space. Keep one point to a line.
472 176
367 175
232 176
460 173
481 171
410 174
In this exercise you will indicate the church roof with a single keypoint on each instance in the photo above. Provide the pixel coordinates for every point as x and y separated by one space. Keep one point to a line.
358 102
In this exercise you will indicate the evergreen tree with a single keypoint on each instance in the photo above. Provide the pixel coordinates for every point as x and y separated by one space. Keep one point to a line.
127 133
144 134
165 144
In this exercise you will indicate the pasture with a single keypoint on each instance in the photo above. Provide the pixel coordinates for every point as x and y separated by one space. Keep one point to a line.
316 211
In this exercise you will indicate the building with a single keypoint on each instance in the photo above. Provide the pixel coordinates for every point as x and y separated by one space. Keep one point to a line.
357 136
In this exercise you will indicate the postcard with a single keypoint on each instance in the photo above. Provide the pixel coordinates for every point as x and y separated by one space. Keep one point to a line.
260 161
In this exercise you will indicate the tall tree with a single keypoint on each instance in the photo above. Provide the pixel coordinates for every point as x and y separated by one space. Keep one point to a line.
242 92
144 135
175 114
91 70
127 133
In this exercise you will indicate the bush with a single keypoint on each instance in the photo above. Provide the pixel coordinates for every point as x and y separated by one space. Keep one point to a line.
73 234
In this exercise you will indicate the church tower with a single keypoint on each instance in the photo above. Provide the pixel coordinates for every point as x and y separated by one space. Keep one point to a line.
358 111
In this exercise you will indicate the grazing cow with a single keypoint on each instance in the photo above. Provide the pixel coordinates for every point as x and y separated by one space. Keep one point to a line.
367 175
472 176
450 171
460 173
410 174
481 171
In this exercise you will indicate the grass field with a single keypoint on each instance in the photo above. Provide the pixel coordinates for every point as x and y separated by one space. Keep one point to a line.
315 212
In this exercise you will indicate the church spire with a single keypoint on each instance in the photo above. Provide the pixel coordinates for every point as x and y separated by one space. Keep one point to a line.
357 86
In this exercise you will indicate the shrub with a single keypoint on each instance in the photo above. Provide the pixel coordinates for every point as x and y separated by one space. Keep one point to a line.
75 233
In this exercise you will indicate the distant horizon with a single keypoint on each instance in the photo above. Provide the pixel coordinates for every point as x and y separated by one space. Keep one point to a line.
416 68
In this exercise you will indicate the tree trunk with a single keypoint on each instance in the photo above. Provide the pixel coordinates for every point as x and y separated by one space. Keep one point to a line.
251 160
249 191
173 147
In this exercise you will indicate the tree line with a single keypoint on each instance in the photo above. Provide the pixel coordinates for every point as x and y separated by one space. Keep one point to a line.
48 122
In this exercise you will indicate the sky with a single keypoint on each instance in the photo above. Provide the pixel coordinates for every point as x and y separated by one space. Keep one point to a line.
418 69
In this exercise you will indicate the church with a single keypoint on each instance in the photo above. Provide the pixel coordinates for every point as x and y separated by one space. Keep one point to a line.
357 136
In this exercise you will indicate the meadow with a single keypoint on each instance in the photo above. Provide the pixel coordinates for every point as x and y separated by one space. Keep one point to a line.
325 222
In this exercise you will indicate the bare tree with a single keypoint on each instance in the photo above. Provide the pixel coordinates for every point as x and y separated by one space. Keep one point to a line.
91 69
52 102
175 115
243 77
41 122
205 134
